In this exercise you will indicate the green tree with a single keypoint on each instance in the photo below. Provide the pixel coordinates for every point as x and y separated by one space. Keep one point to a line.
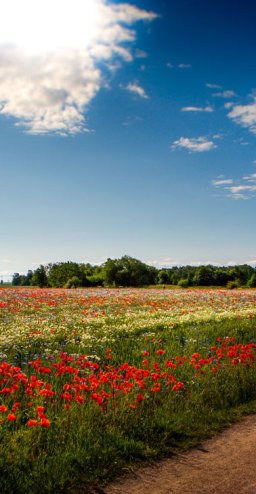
39 277
60 273
128 271
204 276
16 279
73 282
252 281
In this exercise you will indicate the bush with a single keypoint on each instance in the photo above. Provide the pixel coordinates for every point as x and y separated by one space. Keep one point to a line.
183 283
73 282
252 281
233 284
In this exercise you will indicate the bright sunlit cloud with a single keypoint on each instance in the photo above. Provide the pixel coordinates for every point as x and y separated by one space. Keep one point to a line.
42 25
51 55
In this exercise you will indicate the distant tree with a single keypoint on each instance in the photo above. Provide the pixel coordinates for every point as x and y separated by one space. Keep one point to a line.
252 281
39 277
183 283
73 282
163 277
16 279
204 276
128 271
60 273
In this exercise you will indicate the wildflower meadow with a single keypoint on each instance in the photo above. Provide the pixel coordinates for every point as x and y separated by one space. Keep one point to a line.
92 380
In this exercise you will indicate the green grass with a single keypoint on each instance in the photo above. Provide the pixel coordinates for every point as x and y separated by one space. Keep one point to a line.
86 447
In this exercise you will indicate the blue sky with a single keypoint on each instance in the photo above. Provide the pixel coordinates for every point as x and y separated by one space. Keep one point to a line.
133 134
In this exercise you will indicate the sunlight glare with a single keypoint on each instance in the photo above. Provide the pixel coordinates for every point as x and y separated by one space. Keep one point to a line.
39 26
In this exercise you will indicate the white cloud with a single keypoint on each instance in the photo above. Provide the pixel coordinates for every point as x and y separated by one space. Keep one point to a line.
242 191
226 181
163 263
250 178
252 262
207 109
197 145
245 115
184 65
242 188
225 94
229 105
135 88
49 75
236 190
213 86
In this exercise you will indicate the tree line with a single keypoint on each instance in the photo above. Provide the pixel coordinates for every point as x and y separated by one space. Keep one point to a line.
130 272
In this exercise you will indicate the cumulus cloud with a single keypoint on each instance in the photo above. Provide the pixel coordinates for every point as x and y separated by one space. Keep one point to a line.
207 109
245 115
51 66
135 88
196 145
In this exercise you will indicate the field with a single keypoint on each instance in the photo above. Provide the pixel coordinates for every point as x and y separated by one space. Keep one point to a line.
93 380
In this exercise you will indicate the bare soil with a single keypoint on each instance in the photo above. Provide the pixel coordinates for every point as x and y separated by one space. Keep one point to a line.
225 464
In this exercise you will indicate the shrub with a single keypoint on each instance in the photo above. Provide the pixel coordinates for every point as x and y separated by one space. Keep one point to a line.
73 282
183 283
233 284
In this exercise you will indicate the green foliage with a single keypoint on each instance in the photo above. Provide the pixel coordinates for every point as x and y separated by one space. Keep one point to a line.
60 273
163 277
128 271
73 282
252 281
39 277
231 285
183 283
86 445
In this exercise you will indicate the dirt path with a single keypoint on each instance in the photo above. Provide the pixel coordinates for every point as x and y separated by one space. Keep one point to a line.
225 464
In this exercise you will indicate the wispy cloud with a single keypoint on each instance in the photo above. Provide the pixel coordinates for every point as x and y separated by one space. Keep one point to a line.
225 94
245 115
170 65
140 54
196 145
229 105
135 88
184 66
243 191
52 68
213 86
225 181
234 189
250 178
207 109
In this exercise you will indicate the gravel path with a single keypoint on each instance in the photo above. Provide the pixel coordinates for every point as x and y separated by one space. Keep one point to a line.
225 464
